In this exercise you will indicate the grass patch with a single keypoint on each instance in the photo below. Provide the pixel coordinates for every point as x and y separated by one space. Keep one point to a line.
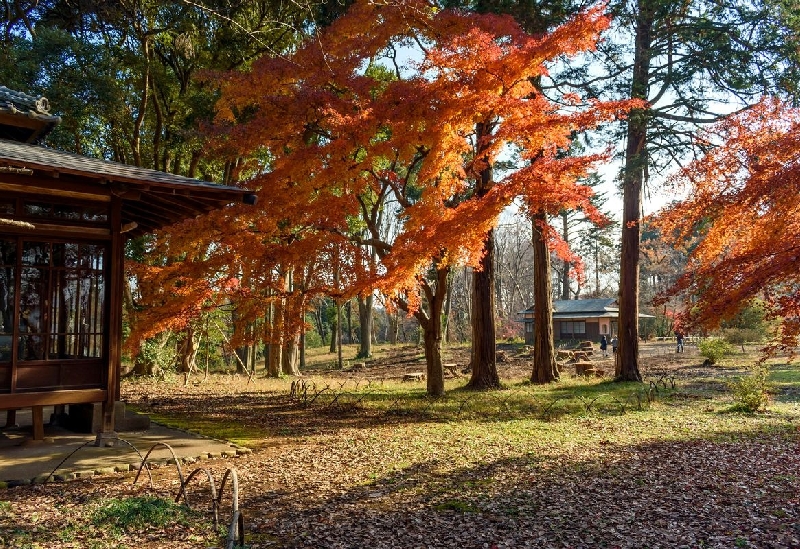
457 506
140 513
236 432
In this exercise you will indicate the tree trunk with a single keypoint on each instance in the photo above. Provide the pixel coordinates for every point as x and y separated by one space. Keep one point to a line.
303 349
483 357
565 274
334 332
432 333
291 352
366 322
627 358
349 311
544 357
431 323
340 362
274 344
187 351
393 327
448 306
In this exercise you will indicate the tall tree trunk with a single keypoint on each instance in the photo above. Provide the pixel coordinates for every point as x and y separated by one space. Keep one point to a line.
349 310
274 331
303 349
544 356
393 327
242 353
366 322
627 358
565 274
483 356
340 362
334 332
448 306
291 353
597 265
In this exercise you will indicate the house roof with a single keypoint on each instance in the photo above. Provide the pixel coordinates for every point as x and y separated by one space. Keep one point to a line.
24 117
150 198
565 309
585 307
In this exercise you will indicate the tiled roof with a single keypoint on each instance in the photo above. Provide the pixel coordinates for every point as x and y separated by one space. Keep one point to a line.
63 162
24 117
570 306
22 101
151 198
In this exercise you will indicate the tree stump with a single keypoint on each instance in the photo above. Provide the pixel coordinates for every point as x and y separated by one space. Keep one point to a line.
414 376
584 368
451 369
564 355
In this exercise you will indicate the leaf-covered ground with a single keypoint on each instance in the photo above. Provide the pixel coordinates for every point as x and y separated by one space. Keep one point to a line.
580 464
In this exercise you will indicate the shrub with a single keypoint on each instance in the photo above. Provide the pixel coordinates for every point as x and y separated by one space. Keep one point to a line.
740 336
715 349
751 392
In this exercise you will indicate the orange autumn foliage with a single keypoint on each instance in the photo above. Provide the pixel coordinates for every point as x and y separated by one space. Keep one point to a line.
342 137
742 219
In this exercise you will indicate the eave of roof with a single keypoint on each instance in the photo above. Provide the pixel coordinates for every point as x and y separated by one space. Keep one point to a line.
151 198
24 117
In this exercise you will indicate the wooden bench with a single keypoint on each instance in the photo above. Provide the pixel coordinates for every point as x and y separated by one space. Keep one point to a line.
584 368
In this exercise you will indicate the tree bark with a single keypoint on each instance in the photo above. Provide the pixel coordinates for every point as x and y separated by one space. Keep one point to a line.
544 356
366 322
431 323
291 352
187 352
274 331
627 358
483 356
565 274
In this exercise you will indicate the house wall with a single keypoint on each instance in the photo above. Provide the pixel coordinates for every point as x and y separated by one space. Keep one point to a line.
594 329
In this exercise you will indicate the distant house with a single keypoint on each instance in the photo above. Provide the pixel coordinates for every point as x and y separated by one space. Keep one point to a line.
578 319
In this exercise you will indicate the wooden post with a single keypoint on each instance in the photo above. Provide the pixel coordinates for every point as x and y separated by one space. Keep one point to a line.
37 413
116 272
11 419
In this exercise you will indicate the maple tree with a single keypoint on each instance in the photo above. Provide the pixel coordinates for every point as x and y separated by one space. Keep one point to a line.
340 135
741 217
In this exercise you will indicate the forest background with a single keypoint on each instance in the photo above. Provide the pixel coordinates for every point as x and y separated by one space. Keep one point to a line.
137 82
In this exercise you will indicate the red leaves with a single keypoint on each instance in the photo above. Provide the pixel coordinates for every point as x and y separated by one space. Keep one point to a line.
354 149
744 212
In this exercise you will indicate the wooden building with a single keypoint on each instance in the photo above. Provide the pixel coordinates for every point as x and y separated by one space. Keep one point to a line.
64 220
579 319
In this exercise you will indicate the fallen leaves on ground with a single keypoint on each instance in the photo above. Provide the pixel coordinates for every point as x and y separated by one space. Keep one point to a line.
685 474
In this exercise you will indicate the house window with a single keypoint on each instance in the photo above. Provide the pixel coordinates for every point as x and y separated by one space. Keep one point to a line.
61 300
573 328
529 327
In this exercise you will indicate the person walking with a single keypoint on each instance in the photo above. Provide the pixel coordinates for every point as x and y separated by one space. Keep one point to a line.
604 345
